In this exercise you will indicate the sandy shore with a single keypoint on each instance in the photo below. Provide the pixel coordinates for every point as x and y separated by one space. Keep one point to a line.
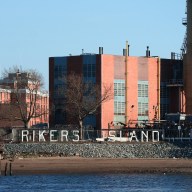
76 165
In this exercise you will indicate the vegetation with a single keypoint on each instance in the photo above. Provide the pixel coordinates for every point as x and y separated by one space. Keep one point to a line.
82 99
26 93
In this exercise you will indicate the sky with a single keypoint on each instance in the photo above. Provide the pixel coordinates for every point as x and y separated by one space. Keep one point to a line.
31 31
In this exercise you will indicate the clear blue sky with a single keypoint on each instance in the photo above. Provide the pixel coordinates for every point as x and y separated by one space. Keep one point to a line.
31 31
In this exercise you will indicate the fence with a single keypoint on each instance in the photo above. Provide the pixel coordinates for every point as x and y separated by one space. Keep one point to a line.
146 132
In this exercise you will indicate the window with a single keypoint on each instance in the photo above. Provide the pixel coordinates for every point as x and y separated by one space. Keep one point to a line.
89 67
142 90
143 98
119 89
119 100
119 108
142 109
89 70
60 71
164 109
59 90
164 92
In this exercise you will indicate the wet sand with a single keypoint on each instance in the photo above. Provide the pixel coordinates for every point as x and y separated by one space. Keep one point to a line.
78 165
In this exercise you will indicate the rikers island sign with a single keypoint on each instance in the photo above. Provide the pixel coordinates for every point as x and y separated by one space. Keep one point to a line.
73 135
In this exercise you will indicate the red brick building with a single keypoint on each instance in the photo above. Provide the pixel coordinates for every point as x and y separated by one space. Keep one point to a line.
10 111
136 82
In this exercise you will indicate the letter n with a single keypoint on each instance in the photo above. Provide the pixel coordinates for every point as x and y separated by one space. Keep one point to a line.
143 134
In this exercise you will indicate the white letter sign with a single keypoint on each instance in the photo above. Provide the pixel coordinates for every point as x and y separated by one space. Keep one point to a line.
133 135
41 136
25 134
153 136
144 134
64 133
52 135
76 134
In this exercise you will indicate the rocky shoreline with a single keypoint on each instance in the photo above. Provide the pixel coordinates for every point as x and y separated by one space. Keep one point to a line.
99 150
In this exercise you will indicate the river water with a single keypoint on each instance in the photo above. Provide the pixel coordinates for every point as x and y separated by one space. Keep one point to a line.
97 183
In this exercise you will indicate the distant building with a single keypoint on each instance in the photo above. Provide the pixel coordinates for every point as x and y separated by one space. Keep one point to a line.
142 86
8 85
5 94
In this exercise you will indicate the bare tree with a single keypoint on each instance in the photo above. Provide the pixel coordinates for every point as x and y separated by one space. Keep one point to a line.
13 69
26 95
83 98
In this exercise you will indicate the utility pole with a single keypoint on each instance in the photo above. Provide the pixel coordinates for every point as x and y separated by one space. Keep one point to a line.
126 85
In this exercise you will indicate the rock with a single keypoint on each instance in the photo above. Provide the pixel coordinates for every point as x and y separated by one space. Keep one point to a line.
106 149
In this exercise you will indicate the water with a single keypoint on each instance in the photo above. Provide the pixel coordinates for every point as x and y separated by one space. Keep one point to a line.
97 183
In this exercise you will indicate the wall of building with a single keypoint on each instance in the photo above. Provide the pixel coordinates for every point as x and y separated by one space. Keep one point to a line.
109 70
107 79
132 89
42 107
5 95
147 77
154 85
84 65
172 89
142 86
